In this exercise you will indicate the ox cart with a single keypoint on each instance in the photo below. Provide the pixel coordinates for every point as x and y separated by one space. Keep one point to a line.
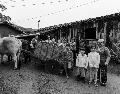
53 56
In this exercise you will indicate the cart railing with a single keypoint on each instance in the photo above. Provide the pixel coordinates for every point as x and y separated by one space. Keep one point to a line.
115 50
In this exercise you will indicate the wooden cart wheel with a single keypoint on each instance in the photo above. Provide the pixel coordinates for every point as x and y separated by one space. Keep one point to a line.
56 67
48 66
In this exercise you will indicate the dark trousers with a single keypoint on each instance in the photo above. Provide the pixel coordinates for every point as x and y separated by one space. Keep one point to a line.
102 73
9 58
74 58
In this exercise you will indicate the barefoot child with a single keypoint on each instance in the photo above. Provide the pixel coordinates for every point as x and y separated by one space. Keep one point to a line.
81 63
93 60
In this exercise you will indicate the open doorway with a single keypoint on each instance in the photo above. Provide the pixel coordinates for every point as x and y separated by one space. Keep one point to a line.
90 33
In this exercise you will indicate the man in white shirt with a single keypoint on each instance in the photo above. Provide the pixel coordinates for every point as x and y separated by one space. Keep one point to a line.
59 43
34 42
49 40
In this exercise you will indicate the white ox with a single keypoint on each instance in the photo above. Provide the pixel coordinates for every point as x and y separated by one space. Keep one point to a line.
10 46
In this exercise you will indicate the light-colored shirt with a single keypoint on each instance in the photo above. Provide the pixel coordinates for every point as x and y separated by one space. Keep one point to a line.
49 41
73 45
59 44
33 42
94 59
82 61
62 44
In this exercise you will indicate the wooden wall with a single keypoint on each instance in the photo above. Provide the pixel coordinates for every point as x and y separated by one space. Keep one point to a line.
5 31
107 28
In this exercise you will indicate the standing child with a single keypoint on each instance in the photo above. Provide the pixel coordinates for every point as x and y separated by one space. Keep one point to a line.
93 60
104 61
81 63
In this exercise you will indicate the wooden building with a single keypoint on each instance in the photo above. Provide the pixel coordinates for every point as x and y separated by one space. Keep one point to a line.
107 27
7 29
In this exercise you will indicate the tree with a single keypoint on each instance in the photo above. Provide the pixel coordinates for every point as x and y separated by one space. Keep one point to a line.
5 18
2 7
8 18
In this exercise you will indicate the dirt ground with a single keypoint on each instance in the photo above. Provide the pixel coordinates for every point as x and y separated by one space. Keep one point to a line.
31 79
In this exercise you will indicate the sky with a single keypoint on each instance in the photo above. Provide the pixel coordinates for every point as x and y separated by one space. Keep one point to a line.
27 13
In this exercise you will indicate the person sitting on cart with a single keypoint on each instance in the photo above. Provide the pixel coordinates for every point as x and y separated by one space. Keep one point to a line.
64 42
53 41
104 61
59 43
34 42
49 40
73 48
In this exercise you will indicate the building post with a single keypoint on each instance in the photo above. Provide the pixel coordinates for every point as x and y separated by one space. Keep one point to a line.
38 24
105 25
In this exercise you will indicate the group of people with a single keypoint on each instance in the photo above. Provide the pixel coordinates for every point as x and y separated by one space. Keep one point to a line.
94 63
62 42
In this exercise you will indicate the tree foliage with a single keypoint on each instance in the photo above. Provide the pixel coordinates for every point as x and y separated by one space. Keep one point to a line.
4 17
2 7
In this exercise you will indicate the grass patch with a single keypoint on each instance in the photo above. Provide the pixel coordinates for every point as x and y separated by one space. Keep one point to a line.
114 68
